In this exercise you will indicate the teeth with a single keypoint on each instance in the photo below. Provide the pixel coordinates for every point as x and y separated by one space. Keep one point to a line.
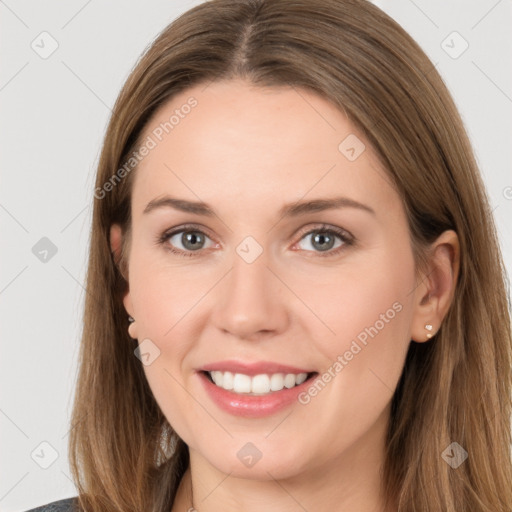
259 384
227 380
241 383
301 378
277 382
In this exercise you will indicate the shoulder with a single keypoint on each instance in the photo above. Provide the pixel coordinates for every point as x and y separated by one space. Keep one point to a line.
65 505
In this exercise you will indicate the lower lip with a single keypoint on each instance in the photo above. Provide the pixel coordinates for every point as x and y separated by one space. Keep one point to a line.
252 406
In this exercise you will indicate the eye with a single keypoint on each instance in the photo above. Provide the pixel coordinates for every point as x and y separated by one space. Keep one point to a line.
323 240
185 241
190 240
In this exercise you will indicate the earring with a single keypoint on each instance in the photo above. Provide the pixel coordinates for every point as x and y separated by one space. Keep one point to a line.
429 327
131 328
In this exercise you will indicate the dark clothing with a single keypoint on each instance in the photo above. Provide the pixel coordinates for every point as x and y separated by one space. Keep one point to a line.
65 505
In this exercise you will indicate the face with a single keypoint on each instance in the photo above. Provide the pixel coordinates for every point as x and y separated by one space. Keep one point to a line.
263 287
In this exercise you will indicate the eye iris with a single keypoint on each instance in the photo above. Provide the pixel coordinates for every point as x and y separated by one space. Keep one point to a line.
321 239
190 238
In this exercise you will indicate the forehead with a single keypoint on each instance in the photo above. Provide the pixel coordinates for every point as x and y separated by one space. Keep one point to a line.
236 143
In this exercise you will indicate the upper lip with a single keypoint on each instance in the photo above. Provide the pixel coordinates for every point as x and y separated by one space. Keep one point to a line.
254 368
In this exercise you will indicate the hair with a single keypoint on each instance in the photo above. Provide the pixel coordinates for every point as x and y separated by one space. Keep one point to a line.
124 454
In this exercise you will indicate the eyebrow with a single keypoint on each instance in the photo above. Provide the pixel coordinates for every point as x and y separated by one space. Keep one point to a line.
288 210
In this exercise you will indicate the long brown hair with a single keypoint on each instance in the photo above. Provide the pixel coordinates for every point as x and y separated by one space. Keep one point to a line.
124 455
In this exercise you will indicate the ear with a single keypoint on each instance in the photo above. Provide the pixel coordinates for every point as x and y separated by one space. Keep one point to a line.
116 241
434 294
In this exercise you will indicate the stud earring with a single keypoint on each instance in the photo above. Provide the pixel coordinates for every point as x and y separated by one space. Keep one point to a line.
131 328
429 327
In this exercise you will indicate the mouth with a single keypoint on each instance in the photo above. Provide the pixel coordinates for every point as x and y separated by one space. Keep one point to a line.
254 389
257 385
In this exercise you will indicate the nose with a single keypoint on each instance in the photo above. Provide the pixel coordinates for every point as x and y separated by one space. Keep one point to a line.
251 300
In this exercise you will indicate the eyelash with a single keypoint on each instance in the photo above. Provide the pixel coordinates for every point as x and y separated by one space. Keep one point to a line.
347 239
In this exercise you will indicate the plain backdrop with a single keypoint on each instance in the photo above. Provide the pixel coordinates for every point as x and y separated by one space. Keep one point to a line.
63 64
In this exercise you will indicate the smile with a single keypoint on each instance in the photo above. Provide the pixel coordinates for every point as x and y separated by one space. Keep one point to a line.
261 384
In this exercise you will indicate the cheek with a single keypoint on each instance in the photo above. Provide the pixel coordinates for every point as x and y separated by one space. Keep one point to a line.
369 312
165 298
373 306
164 293
368 298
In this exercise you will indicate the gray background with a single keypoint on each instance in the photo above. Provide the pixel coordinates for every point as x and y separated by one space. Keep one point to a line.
54 110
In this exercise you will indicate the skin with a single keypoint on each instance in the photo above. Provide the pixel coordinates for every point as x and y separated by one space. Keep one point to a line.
247 151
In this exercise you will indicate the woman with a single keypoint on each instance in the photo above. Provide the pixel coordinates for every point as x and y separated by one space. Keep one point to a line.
296 295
